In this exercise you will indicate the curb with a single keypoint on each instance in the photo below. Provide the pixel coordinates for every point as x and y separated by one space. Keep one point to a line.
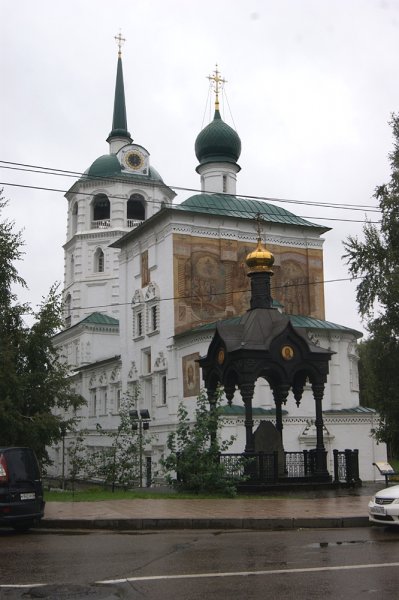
148 524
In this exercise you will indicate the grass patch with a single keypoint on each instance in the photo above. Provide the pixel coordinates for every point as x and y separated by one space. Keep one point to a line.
96 495
394 462
99 495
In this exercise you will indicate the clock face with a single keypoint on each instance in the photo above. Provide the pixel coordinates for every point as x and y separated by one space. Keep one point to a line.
134 160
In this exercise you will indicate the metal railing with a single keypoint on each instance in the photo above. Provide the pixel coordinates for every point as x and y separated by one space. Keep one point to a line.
101 224
134 222
106 223
346 466
263 467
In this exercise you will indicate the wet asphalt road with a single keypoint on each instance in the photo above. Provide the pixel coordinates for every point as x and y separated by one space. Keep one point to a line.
305 564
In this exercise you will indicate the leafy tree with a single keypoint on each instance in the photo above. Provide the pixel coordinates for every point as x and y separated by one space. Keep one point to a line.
78 459
193 463
34 382
376 261
119 461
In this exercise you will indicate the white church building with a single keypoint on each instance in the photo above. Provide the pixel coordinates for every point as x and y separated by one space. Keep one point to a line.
147 277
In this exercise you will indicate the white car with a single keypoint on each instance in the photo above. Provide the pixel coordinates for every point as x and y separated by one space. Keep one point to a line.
384 506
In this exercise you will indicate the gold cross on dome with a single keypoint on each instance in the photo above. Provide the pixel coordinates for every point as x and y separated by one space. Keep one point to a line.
259 225
120 41
217 82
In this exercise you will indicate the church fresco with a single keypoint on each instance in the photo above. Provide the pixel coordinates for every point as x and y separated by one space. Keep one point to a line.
211 282
191 375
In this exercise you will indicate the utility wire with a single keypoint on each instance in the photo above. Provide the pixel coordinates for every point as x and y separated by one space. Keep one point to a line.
198 297
205 208
60 172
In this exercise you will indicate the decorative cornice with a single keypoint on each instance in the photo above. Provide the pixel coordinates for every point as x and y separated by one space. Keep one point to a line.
245 236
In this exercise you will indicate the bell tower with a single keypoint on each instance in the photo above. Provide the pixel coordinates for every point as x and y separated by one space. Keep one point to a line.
117 193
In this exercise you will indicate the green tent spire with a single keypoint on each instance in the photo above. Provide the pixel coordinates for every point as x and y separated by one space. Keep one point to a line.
119 121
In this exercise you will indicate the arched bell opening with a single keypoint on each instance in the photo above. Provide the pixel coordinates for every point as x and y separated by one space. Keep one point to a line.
101 211
135 209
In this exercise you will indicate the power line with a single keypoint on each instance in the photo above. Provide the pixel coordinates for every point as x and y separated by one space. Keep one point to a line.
244 212
199 297
68 173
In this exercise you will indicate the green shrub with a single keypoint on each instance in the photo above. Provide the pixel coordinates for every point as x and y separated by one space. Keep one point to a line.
193 463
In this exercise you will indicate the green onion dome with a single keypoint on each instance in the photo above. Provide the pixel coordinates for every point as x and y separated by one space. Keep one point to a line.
108 165
218 142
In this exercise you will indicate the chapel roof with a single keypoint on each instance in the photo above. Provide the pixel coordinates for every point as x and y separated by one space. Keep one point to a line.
245 208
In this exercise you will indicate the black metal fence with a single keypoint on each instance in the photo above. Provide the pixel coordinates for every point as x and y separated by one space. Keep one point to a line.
266 468
346 466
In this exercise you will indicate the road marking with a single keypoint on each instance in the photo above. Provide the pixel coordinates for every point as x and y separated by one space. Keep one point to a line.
21 585
249 573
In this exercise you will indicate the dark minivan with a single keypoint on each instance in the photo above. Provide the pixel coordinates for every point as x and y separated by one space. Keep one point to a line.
21 490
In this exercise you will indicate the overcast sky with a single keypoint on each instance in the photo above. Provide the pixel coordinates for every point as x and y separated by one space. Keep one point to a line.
311 87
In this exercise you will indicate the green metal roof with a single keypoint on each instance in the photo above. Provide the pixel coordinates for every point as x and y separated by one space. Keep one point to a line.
244 208
119 121
239 410
312 323
108 165
217 142
103 166
97 318
297 321
356 410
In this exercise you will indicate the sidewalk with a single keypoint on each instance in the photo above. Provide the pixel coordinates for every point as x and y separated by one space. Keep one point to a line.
338 509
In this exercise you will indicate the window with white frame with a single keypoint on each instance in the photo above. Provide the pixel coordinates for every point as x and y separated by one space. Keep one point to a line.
138 314
152 318
146 361
74 217
72 268
163 390
99 261
67 310
152 308
93 403
139 323
103 401
118 397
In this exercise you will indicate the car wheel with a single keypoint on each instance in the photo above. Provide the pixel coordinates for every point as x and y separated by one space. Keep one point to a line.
22 526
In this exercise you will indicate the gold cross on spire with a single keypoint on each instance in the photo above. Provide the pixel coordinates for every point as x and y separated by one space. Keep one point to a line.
120 41
217 82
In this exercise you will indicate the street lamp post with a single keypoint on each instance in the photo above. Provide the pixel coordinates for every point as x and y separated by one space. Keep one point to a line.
140 419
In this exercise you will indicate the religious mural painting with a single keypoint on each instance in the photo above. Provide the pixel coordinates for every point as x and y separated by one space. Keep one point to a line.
211 283
191 375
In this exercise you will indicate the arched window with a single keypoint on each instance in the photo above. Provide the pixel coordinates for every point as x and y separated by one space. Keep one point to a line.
72 268
135 209
67 310
99 261
101 211
74 218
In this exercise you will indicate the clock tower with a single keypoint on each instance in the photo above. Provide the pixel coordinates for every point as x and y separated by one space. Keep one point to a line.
117 193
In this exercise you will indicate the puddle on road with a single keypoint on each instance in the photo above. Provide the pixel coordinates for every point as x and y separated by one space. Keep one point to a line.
332 544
